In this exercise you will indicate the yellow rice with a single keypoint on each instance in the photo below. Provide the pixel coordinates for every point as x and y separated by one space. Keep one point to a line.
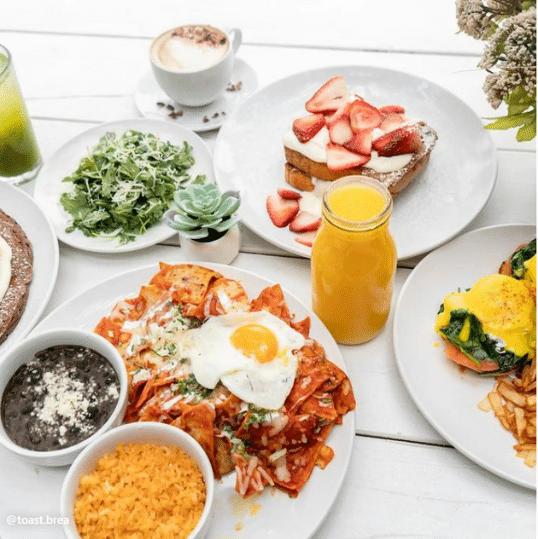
140 491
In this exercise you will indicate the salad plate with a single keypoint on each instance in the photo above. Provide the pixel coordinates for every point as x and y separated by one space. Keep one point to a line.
152 102
269 514
453 188
21 207
49 185
447 396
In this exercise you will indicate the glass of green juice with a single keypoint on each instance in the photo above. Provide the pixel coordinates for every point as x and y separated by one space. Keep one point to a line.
20 159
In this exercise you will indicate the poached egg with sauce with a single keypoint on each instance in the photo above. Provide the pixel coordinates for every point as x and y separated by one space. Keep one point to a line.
506 310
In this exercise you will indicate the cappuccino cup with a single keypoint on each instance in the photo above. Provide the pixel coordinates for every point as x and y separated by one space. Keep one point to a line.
193 63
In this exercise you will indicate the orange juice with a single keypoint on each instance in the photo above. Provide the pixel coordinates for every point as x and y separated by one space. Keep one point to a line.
354 260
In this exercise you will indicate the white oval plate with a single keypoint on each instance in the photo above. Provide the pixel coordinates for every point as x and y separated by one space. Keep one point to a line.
451 191
21 207
445 395
277 514
49 185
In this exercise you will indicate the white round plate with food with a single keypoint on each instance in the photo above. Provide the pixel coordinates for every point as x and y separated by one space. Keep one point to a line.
271 513
452 189
21 207
152 102
50 186
445 394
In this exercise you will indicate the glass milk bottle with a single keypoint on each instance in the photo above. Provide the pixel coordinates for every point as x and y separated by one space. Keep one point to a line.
354 260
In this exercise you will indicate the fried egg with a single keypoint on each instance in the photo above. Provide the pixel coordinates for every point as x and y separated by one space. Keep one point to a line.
251 353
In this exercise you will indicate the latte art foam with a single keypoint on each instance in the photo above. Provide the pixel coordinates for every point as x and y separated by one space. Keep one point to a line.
190 48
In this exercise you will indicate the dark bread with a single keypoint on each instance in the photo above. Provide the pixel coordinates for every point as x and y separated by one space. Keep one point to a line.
13 303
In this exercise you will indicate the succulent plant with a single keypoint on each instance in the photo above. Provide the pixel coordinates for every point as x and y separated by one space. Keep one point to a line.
202 212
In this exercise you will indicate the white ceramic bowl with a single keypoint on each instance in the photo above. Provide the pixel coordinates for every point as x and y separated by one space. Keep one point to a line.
25 350
140 432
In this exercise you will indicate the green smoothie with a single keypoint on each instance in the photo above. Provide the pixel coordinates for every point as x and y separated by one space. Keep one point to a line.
19 152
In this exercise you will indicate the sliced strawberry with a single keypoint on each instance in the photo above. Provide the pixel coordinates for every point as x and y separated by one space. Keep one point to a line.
307 127
289 194
393 117
362 115
281 211
339 158
402 140
340 130
361 142
329 97
305 221
391 121
391 109
306 238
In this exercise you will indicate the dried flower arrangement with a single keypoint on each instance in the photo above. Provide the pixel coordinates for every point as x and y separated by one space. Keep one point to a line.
509 29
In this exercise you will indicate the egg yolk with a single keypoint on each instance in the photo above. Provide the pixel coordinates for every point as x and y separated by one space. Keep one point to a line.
255 340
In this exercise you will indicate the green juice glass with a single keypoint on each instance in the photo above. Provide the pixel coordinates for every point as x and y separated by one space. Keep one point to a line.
20 159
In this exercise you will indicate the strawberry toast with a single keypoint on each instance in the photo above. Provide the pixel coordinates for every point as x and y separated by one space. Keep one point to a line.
343 134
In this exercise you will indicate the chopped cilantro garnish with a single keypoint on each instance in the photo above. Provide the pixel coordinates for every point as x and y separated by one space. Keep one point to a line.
190 386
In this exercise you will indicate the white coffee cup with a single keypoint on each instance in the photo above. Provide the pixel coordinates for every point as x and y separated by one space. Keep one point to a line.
193 63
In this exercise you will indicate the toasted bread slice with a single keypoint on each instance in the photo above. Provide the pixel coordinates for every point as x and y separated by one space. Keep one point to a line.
300 170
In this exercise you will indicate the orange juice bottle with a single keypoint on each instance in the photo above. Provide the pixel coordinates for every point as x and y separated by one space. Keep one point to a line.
354 260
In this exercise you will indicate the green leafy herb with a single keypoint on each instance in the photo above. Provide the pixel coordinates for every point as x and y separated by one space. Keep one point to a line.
520 257
190 386
125 184
479 346
257 415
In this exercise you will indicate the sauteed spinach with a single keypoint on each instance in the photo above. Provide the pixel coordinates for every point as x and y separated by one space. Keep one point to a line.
479 346
519 258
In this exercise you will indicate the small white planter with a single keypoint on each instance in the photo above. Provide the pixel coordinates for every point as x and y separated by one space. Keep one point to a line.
222 251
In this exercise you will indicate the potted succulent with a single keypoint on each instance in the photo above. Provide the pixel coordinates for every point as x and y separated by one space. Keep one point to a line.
207 222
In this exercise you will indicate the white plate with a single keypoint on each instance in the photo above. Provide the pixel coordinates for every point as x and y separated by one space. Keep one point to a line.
278 514
21 207
149 93
49 185
445 395
454 187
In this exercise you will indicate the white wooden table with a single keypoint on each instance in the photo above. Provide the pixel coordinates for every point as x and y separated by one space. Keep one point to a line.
79 64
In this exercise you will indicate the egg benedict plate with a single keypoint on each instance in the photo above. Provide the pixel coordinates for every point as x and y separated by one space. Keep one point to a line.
203 345
491 327
462 320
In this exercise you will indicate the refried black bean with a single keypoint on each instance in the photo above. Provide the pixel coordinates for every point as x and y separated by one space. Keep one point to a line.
59 398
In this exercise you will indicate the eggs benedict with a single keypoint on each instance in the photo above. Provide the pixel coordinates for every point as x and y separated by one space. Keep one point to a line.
490 327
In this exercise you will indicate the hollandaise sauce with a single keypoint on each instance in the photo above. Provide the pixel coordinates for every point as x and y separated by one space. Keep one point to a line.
492 321
354 260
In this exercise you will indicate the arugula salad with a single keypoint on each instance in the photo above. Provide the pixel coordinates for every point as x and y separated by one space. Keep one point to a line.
125 184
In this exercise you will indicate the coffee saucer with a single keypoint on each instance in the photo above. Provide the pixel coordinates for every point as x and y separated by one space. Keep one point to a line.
153 103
